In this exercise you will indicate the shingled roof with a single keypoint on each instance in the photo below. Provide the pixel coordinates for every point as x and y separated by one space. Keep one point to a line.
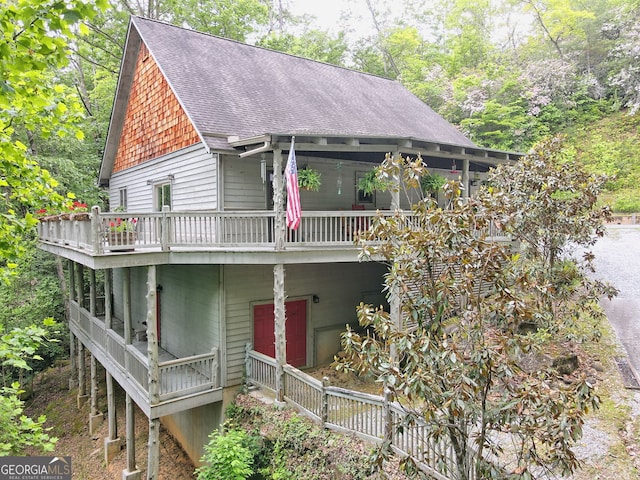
229 88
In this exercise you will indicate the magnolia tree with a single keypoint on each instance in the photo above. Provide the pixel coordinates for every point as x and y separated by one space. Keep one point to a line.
453 351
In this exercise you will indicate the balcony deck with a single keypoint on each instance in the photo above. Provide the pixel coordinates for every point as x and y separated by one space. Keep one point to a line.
204 237
184 383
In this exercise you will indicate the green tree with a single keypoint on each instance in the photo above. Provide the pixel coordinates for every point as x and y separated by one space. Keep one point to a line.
18 431
453 351
313 44
33 102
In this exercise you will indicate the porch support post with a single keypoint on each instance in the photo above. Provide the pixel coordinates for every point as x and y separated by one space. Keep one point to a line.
80 284
153 461
95 417
395 193
396 316
73 379
126 295
112 442
465 178
278 200
280 328
107 299
131 472
73 358
92 292
82 370
72 280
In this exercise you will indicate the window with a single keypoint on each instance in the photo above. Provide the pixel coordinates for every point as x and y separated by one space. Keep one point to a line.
122 193
163 196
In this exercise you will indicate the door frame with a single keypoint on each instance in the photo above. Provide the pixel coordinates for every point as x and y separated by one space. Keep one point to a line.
309 344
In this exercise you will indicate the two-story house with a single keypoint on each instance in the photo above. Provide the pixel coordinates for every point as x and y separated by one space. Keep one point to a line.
194 256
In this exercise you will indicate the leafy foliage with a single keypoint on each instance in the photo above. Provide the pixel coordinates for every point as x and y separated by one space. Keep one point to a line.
226 456
33 45
468 299
17 431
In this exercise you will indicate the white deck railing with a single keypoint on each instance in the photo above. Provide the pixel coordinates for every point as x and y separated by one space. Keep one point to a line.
178 377
98 232
371 417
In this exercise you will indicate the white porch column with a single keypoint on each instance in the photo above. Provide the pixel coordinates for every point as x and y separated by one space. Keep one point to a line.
278 197
153 461
73 357
465 178
112 442
395 195
92 292
126 294
95 417
280 328
80 285
131 472
73 379
82 370
108 309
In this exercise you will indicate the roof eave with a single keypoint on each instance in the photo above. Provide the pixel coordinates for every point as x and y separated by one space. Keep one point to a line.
353 143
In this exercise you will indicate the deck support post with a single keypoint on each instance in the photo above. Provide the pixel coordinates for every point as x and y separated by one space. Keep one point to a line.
92 292
82 371
153 461
280 329
73 358
131 472
80 284
465 178
112 443
278 197
72 280
95 417
126 294
107 299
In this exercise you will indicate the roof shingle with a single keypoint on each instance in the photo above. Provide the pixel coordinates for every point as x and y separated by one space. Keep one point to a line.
231 88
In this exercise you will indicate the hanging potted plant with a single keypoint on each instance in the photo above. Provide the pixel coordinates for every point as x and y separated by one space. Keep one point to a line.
370 183
432 183
309 179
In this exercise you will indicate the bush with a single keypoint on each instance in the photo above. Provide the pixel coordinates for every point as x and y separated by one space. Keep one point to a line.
227 456
628 202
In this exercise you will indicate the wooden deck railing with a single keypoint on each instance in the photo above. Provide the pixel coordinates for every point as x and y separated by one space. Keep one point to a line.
97 233
177 378
371 417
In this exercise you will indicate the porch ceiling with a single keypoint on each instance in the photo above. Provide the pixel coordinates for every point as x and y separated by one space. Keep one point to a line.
372 149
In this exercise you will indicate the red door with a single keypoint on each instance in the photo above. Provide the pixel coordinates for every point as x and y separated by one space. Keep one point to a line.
264 335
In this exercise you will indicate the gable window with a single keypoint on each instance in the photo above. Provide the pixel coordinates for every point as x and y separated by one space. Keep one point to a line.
122 195
163 195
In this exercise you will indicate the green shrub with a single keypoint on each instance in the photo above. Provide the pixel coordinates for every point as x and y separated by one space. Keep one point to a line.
226 456
628 202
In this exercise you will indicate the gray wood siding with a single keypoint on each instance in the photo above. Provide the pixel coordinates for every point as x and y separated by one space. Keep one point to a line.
138 289
245 190
194 184
189 306
243 187
190 318
340 288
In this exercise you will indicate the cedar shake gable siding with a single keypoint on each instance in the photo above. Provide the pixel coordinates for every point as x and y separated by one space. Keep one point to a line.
155 123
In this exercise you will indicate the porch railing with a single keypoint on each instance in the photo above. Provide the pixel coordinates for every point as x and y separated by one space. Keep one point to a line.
177 378
99 232
371 417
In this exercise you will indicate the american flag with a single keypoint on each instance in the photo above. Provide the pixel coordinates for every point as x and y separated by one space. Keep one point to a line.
293 193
